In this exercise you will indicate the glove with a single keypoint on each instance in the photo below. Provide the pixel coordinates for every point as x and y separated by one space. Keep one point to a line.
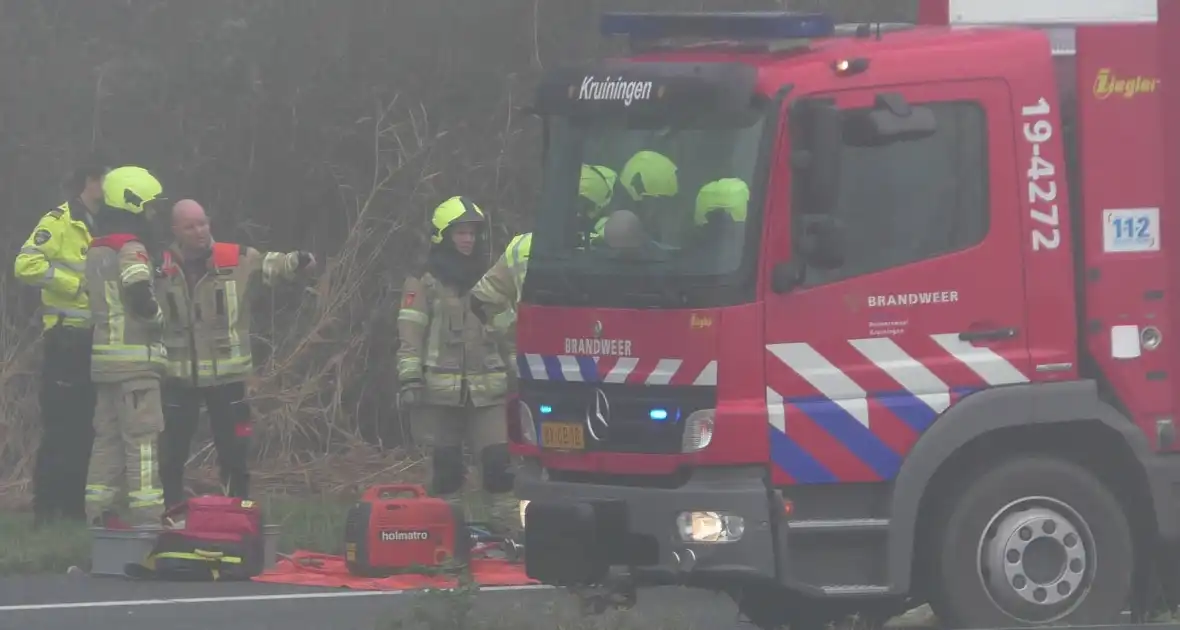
410 395
477 308
306 261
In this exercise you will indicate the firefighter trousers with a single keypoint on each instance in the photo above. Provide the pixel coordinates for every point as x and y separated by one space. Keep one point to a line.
485 430
128 419
229 421
67 425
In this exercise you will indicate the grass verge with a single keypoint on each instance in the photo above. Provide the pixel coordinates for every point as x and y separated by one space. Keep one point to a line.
313 523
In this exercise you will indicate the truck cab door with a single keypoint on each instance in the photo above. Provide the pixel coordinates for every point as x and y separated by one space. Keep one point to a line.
927 305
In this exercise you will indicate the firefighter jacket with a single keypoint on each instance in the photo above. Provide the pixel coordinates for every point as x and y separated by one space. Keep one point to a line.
54 259
446 347
500 289
207 318
126 317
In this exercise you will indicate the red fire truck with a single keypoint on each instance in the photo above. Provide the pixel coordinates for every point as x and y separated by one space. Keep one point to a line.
868 316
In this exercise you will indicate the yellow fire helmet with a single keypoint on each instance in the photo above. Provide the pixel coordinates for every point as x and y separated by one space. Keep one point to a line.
729 196
649 174
597 185
131 189
455 210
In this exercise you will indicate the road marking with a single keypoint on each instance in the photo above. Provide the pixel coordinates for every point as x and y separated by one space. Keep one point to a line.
243 598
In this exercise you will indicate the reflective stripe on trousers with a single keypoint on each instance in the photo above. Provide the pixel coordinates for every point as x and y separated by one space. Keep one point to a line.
148 495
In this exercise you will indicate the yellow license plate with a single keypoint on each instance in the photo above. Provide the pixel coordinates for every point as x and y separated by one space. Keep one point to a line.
567 436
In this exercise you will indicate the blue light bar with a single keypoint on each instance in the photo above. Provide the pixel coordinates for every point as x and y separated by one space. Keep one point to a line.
659 415
764 25
546 409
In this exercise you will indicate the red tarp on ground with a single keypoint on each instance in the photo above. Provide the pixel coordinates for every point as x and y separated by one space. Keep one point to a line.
316 569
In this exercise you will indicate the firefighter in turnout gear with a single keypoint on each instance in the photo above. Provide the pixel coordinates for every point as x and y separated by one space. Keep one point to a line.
596 189
652 183
719 221
453 376
54 260
498 291
128 359
205 289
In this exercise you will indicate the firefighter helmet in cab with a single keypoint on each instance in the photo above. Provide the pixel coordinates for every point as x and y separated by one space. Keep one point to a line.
451 212
649 174
131 189
597 186
721 198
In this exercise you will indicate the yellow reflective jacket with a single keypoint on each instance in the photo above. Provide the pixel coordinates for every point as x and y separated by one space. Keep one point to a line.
447 348
126 346
500 289
501 285
207 327
54 260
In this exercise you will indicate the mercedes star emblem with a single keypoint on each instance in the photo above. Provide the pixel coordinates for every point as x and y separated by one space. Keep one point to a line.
598 416
598 330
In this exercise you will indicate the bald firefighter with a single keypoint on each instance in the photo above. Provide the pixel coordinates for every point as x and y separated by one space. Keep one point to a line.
206 289
53 259
453 376
127 357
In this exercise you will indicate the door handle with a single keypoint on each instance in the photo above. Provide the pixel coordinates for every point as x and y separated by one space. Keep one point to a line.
994 334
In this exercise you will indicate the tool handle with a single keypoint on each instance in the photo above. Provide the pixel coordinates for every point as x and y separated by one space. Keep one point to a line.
388 490
176 510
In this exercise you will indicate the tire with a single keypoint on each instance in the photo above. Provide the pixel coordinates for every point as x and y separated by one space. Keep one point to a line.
1032 505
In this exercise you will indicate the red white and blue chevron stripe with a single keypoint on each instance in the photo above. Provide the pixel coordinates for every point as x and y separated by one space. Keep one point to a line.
851 413
629 370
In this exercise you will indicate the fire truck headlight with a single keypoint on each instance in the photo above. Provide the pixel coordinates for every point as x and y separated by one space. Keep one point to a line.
710 527
528 428
698 431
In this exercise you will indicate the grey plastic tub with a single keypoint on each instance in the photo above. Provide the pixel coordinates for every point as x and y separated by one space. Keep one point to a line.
113 549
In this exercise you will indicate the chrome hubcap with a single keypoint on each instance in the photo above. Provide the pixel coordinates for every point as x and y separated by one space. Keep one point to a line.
1036 559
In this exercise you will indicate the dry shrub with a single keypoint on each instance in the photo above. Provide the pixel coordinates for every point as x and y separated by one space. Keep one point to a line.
19 364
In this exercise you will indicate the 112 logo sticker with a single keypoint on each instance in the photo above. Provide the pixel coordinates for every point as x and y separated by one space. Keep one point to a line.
1131 230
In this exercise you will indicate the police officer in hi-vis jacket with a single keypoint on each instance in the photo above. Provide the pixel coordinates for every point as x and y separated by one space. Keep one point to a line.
53 259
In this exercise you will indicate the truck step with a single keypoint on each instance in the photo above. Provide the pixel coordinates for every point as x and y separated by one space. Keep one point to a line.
854 589
839 525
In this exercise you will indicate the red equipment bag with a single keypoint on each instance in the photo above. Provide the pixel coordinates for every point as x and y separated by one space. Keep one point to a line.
396 528
221 541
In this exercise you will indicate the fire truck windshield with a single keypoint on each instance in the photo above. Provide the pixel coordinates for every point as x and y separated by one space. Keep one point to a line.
626 208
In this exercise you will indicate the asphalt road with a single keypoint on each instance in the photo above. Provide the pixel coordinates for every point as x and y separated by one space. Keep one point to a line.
77 603
65 602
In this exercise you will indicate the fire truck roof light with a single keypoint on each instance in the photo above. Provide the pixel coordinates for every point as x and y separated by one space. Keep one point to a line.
775 25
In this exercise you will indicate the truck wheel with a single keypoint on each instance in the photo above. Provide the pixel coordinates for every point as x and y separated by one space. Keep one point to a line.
1033 541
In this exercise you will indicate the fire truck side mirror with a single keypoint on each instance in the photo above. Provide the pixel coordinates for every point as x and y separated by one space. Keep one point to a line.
818 244
787 275
821 242
891 119
816 130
